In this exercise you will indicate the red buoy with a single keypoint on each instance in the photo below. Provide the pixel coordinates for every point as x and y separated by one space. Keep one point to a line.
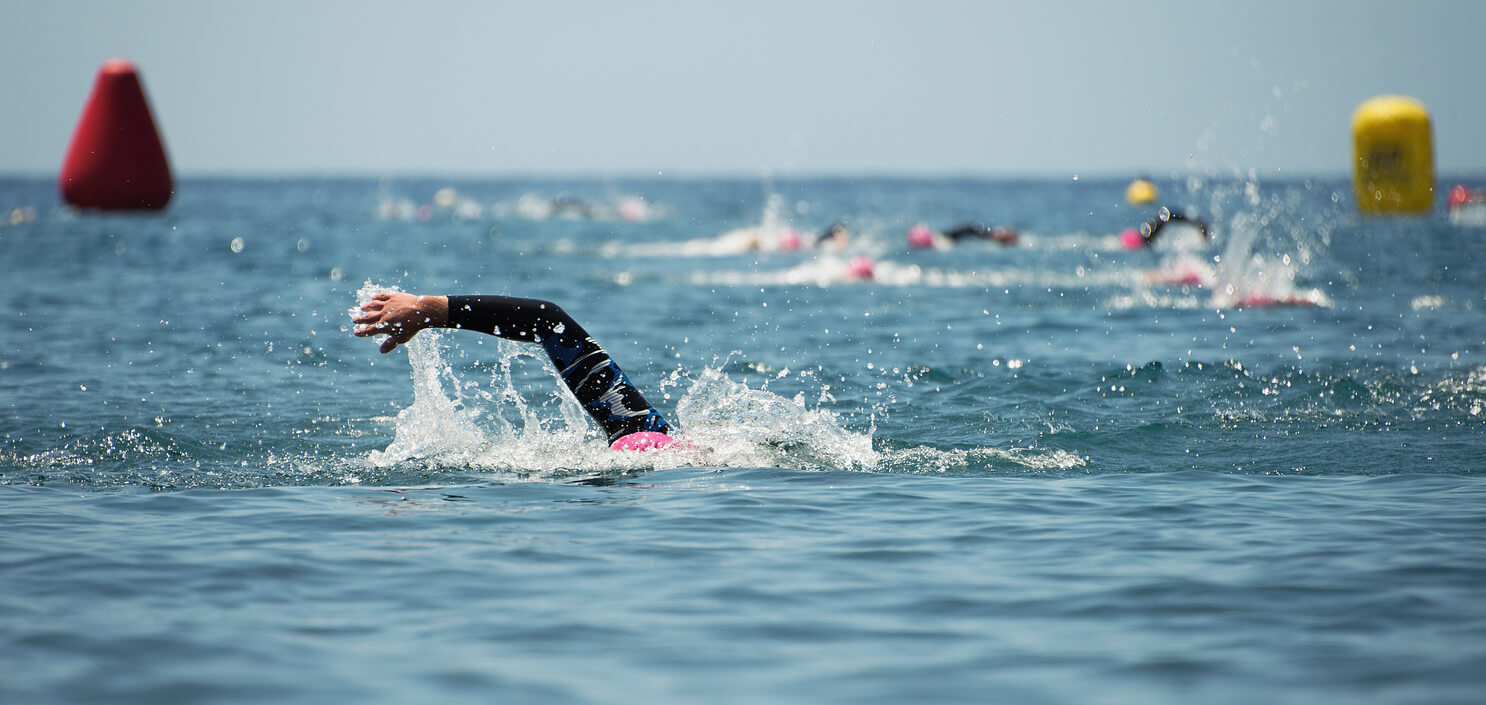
116 160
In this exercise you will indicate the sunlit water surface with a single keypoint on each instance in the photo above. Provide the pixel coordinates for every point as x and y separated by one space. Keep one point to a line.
1225 472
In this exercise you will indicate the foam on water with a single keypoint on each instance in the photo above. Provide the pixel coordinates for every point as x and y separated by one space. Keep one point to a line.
496 427
455 420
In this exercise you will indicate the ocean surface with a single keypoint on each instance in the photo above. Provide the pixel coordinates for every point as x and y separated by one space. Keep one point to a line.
1250 469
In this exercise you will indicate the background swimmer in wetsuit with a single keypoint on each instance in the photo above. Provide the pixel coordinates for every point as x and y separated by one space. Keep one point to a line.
1151 229
998 233
594 379
836 236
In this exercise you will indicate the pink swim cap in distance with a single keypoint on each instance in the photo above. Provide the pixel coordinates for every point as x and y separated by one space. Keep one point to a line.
1131 239
859 268
1459 196
642 440
789 239
920 237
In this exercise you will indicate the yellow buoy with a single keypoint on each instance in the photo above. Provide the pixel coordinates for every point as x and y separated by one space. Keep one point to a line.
1393 155
1141 192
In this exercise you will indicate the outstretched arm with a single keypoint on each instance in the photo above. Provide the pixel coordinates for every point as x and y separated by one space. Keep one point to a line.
400 316
592 376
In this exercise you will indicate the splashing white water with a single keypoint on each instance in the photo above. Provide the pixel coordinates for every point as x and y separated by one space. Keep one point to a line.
1245 277
736 426
504 424
508 425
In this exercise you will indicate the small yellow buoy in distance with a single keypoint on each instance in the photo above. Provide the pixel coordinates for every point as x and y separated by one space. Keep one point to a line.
1393 156
1141 192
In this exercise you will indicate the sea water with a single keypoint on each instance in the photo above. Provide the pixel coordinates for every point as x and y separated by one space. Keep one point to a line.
1061 471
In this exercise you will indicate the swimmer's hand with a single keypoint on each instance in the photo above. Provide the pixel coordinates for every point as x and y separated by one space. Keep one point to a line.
400 316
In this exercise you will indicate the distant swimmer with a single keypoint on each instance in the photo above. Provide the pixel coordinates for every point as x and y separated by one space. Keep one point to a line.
1134 239
565 206
755 239
836 236
786 239
921 237
1467 205
629 421
996 233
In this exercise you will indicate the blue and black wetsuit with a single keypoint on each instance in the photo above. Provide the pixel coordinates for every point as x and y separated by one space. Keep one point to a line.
597 382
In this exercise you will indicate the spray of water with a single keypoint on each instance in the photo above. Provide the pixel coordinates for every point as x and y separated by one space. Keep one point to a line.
507 424
522 423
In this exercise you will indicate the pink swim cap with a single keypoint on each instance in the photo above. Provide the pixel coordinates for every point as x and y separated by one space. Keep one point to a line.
789 239
859 268
643 440
1131 239
920 237
1459 196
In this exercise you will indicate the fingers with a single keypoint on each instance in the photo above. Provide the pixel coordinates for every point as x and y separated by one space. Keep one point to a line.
382 315
372 310
377 302
395 335
395 339
376 326
369 317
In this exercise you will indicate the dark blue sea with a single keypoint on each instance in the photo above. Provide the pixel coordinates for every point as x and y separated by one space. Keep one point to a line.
1237 470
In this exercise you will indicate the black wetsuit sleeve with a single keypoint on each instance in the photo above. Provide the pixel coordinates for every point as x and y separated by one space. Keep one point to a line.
527 320
588 371
961 232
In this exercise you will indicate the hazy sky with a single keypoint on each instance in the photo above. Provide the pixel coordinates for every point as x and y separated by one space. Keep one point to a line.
636 87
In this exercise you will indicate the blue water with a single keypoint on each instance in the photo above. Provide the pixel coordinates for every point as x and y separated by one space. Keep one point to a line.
1059 472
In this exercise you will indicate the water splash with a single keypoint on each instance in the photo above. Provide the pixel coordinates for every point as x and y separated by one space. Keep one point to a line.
733 425
496 426
1270 239
507 424
775 232
435 425
1247 277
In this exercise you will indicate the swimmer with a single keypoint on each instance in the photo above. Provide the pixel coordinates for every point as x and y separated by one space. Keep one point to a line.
565 206
997 233
1133 239
836 236
922 238
1467 206
785 239
628 420
753 239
